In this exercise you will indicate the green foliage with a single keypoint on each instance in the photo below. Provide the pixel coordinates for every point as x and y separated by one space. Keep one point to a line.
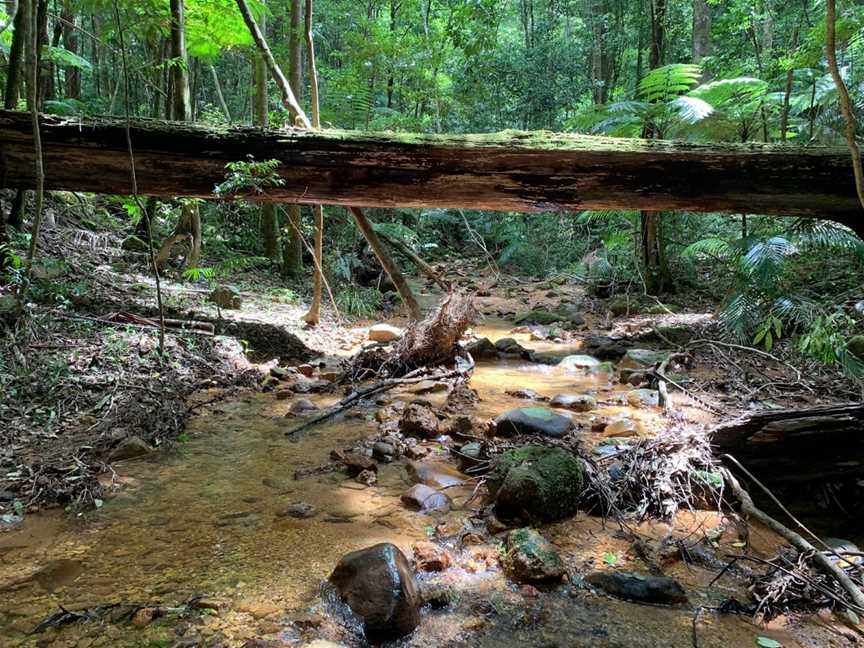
357 302
827 341
250 177
64 58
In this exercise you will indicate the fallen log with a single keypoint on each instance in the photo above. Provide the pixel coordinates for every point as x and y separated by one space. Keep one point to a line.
797 445
508 171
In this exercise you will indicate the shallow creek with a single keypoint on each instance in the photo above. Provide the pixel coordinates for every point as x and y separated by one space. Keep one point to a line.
204 519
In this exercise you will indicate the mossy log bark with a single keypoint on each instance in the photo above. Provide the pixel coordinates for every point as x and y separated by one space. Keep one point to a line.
509 171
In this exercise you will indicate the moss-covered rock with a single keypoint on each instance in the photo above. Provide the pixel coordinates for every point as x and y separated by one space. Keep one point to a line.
531 558
642 359
619 306
538 316
133 243
535 483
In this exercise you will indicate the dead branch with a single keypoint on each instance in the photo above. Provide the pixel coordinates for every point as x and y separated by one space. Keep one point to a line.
820 559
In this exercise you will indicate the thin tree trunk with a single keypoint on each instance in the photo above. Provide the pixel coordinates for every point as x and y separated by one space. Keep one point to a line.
288 97
72 89
843 96
16 60
188 226
387 263
787 94
292 245
701 33
31 22
269 218
314 314
653 249
409 254
219 95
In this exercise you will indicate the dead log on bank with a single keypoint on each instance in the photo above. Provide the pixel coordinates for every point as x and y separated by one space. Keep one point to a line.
509 171
797 445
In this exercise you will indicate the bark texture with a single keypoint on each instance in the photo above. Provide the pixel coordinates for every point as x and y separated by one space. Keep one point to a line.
511 171
773 443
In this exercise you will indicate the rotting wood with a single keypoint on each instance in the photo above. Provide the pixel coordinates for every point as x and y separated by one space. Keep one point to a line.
772 442
510 171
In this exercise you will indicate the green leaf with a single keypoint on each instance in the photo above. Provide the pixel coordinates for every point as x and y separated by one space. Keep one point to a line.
766 642
65 58
610 559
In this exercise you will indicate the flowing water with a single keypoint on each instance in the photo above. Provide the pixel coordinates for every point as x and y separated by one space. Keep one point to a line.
207 519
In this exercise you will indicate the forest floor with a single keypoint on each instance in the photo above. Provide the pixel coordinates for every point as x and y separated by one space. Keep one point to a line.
84 384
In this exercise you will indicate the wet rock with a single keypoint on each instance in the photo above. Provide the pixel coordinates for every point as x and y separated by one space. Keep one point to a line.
535 483
606 347
574 402
643 398
537 316
621 428
470 455
306 370
510 347
578 363
307 386
430 557
384 333
355 463
482 349
642 359
519 392
378 585
299 510
635 587
383 452
367 478
434 474
416 451
6 496
429 387
531 558
226 297
302 406
419 420
426 499
130 448
547 357
532 420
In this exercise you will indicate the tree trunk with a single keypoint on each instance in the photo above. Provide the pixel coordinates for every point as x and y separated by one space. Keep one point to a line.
314 315
181 101
657 277
188 226
221 97
387 263
292 243
787 94
701 32
46 72
773 442
536 172
72 87
15 67
269 219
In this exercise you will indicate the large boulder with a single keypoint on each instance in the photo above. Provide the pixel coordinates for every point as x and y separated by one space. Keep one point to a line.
510 347
378 585
642 359
605 347
426 499
482 349
531 558
535 483
384 333
532 420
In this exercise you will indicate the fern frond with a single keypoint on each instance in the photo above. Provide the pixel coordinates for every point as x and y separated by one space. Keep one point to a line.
665 83
711 247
